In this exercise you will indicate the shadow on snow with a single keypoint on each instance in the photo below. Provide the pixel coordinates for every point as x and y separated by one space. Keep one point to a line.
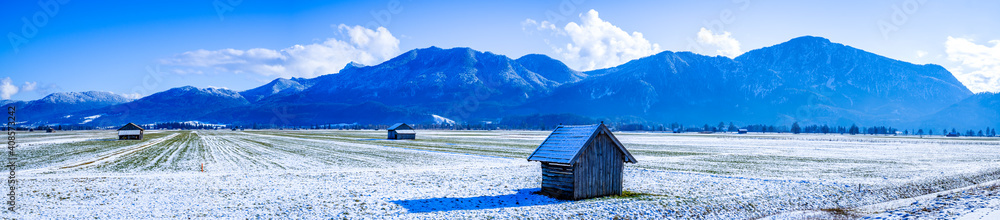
523 197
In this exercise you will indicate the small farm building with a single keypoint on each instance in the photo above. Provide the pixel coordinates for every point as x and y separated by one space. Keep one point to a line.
580 162
130 132
742 131
401 131
953 134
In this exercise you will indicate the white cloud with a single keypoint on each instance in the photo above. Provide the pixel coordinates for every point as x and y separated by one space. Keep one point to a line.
595 43
724 43
361 45
921 53
7 88
29 86
979 65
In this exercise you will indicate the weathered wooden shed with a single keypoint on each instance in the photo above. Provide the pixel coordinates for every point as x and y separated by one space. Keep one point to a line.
130 132
580 162
401 131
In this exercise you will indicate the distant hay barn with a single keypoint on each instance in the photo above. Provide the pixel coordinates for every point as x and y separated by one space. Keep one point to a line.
401 131
130 132
580 162
742 131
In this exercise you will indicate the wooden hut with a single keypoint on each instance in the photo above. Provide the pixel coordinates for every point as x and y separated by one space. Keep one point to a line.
401 131
130 132
741 131
580 162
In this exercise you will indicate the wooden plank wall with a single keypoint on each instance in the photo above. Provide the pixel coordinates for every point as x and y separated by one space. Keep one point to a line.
598 171
557 180
406 136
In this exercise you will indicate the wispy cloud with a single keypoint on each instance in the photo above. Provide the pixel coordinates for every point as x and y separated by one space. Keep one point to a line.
594 43
132 95
723 43
362 45
979 65
529 25
29 86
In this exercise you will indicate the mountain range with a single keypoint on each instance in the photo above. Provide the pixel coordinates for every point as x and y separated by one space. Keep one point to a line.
62 106
809 80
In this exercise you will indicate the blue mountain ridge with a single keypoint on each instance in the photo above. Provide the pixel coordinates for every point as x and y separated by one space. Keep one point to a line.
809 80
58 106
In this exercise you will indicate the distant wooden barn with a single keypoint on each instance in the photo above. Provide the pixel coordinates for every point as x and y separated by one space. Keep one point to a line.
130 132
580 162
401 131
742 131
953 134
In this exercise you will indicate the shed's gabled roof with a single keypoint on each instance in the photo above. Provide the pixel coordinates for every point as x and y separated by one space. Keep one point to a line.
566 142
131 126
400 126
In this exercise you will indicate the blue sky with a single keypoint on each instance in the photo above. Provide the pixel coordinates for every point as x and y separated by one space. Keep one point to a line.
145 47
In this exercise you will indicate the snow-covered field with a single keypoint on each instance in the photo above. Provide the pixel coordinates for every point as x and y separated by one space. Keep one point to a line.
981 202
483 175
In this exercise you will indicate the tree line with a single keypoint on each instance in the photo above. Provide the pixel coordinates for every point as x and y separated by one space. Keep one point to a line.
796 128
551 123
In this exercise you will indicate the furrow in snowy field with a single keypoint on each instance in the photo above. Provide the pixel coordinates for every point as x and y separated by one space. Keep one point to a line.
363 155
103 157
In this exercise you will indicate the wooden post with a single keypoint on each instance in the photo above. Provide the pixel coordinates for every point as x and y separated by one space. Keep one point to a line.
203 167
